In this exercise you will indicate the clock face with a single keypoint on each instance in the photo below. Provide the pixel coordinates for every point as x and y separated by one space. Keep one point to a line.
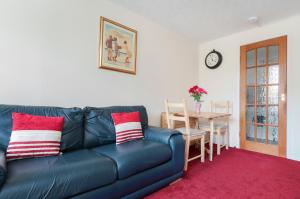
213 59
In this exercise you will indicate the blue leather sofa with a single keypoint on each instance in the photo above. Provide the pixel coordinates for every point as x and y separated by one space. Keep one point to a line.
91 166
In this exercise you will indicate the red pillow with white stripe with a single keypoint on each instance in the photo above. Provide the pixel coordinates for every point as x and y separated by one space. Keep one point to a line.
128 126
34 136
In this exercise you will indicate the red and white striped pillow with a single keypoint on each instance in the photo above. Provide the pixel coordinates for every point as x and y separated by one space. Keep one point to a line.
128 126
34 136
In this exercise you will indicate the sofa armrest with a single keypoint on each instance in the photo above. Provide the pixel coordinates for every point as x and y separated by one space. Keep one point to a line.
174 139
160 135
3 171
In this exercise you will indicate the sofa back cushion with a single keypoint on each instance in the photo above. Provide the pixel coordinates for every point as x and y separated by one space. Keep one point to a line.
99 127
72 134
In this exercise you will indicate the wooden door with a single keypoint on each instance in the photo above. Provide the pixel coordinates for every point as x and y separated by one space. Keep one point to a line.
263 83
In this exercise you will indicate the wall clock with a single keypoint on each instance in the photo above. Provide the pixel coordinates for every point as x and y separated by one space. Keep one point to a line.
213 59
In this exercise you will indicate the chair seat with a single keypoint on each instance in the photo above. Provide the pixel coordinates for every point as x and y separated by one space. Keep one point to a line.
206 127
193 132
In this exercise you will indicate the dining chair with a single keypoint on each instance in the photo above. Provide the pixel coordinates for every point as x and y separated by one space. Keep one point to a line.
189 134
221 126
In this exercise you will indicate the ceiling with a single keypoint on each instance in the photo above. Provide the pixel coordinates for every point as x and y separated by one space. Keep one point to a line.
205 20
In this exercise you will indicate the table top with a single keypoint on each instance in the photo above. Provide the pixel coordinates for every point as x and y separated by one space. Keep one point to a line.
205 115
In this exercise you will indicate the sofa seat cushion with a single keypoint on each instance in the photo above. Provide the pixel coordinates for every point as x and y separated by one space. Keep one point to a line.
136 156
58 176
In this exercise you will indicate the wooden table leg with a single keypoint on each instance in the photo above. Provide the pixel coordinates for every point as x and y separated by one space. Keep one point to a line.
227 134
211 142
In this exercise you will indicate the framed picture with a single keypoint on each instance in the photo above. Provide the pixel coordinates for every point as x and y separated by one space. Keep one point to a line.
117 47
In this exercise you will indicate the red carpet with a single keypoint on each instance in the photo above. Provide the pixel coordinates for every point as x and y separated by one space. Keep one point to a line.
237 174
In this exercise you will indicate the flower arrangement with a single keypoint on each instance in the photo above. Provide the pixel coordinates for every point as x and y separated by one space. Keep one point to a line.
196 92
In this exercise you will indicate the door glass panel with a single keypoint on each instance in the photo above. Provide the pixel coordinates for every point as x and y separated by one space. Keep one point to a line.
273 55
273 135
250 95
273 95
273 115
251 58
250 76
261 133
250 132
261 56
261 75
250 113
274 74
261 114
261 94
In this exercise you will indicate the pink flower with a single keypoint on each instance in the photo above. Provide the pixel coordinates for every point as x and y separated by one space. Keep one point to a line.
193 89
196 90
203 91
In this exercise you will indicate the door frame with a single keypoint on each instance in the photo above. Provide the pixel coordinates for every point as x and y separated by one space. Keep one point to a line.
280 149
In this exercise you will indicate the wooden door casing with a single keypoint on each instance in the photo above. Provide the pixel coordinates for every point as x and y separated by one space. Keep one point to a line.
280 149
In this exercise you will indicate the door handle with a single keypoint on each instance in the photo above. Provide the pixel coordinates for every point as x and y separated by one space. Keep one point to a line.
283 97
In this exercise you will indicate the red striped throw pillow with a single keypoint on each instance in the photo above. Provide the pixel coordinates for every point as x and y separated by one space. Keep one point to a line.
128 126
34 136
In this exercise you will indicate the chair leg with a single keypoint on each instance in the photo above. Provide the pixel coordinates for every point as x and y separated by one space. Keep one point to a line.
203 148
198 144
218 142
186 155
227 138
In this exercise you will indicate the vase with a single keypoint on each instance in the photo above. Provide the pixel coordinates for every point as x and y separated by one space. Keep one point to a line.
198 107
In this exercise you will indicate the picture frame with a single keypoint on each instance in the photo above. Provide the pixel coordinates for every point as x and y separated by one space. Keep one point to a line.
117 47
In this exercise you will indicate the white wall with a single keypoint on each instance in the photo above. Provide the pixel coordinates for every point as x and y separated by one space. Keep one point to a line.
48 56
223 83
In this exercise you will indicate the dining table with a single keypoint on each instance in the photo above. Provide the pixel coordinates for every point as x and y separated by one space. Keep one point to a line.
211 117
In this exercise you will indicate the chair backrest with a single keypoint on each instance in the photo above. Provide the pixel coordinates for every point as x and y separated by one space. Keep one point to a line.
220 106
171 117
